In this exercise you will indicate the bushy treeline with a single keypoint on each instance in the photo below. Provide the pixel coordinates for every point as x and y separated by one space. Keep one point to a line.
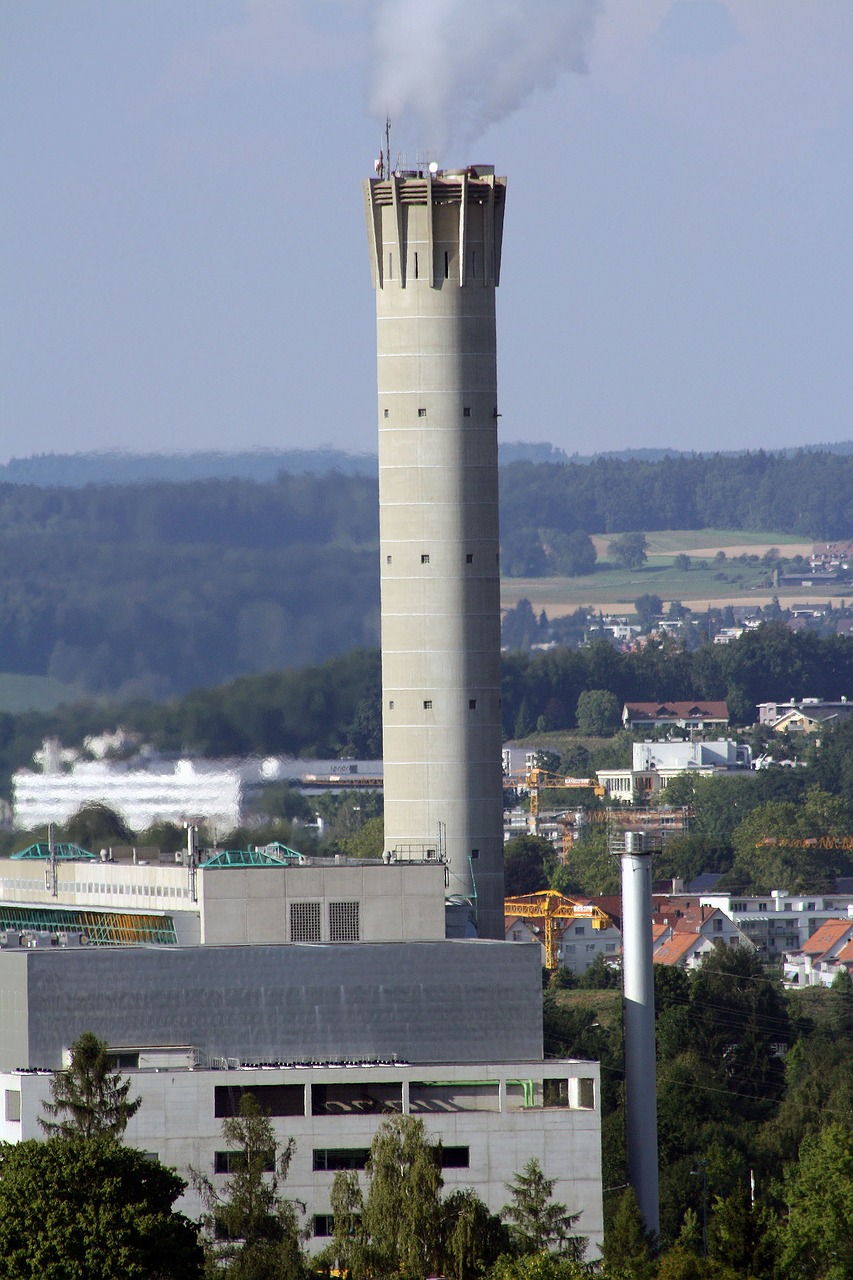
807 494
156 587
153 589
754 1095
541 690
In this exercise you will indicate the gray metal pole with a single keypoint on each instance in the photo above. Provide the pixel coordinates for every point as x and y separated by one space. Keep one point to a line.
639 1012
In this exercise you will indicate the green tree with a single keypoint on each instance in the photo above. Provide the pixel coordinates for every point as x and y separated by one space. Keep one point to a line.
529 863
628 1248
629 550
72 1208
648 607
598 712
682 562
89 1098
253 1230
537 1266
397 1226
539 1224
473 1237
816 1238
96 824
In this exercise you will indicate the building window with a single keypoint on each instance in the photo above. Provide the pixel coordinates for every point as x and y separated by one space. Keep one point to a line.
421 413
446 265
368 1098
305 922
555 1093
390 704
235 1162
425 558
387 559
13 1105
386 413
475 853
332 1159
427 704
343 922
390 266
582 1093
273 1099
472 704
455 1157
469 559
738 906
610 947
323 1225
580 929
466 412
416 265
718 926
762 906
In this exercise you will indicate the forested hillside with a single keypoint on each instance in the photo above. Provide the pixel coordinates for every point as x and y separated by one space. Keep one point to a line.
158 587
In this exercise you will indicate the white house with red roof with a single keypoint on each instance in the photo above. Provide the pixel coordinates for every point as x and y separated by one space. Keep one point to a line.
701 716
828 952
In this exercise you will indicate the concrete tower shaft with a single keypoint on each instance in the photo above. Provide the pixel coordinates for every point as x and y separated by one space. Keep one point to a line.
435 246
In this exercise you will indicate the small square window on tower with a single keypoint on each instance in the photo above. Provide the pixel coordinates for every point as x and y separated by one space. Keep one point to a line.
469 559
427 704
391 704
466 412
387 559
385 413
425 558
472 704
475 853
421 413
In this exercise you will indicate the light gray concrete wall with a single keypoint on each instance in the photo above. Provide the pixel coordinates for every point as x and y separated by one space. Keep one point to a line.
177 1122
435 251
424 1002
397 903
13 1011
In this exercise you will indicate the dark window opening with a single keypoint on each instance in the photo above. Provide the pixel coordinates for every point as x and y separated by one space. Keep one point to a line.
390 266
446 265
273 1099
331 1159
555 1093
427 704
387 559
455 1157
416 266
324 1224
475 853
425 558
466 412
235 1162
472 704
368 1098
385 413
421 413
469 559
123 1061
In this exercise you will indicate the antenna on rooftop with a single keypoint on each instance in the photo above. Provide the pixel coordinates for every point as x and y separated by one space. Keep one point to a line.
388 143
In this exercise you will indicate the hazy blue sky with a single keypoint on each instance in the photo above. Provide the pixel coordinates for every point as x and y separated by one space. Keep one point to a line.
183 251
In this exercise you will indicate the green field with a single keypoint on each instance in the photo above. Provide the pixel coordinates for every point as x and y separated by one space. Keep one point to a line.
705 583
35 693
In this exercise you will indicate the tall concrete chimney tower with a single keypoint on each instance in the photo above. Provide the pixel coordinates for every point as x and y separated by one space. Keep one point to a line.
435 250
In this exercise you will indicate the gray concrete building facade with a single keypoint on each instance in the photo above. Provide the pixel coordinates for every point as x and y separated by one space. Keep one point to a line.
435 252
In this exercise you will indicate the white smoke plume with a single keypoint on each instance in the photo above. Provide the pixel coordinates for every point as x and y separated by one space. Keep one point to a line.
458 66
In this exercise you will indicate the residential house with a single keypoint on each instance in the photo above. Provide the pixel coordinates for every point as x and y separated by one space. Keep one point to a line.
780 922
655 764
809 715
691 716
826 953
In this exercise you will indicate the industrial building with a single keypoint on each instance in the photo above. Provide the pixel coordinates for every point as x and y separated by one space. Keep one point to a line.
330 1038
435 251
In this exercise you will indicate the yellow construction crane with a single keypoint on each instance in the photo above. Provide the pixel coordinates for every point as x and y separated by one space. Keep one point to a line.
536 779
550 906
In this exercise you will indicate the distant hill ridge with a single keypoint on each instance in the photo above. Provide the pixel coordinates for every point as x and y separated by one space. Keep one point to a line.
73 470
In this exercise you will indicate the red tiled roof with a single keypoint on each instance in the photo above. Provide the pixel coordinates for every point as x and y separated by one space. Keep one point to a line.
845 955
677 710
677 948
826 937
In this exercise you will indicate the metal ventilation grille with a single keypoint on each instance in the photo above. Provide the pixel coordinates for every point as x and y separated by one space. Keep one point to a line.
343 922
305 922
